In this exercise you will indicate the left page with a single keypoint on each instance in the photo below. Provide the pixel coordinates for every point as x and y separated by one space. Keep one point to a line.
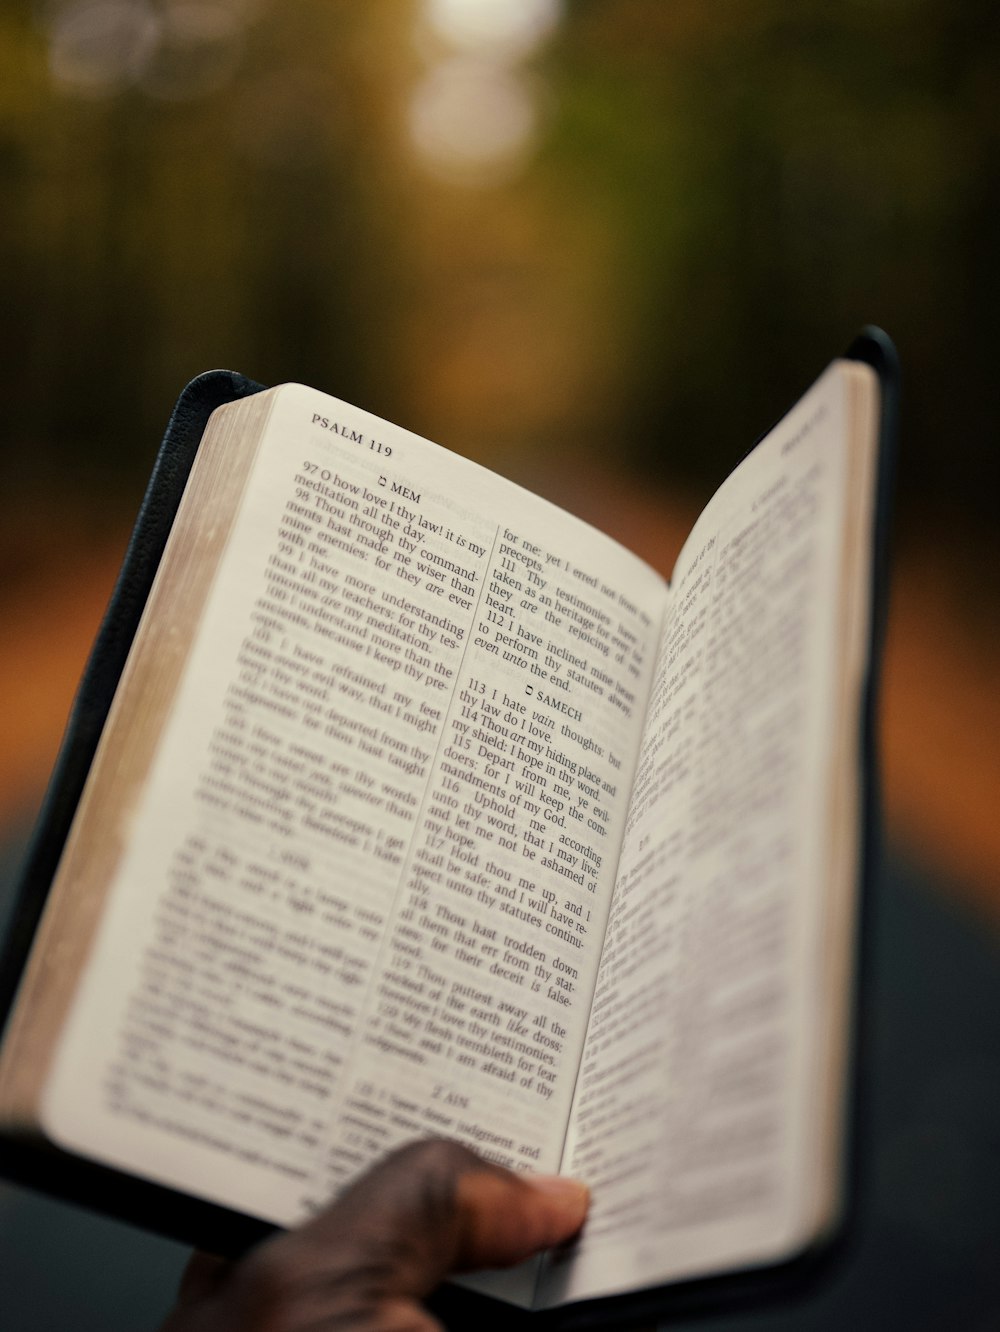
362 887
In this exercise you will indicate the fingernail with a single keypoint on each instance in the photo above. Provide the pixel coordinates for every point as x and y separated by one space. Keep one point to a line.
571 1194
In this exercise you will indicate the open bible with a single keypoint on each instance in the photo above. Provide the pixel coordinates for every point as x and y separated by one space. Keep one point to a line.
399 802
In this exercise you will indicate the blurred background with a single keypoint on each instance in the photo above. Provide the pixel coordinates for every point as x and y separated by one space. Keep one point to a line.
599 245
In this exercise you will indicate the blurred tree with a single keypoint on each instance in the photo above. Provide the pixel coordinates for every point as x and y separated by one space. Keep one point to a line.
148 237
715 199
778 175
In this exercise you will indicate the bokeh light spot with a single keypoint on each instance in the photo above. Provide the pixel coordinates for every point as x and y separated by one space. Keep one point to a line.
512 28
98 48
474 117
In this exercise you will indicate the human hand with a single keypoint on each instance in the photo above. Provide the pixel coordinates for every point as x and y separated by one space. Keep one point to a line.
367 1261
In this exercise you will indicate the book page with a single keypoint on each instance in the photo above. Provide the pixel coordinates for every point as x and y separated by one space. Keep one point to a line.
363 888
705 1119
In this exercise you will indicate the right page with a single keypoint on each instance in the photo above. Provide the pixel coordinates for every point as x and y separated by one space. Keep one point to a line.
707 1116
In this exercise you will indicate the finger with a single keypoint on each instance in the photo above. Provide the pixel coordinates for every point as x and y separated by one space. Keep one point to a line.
455 1211
426 1211
505 1218
202 1274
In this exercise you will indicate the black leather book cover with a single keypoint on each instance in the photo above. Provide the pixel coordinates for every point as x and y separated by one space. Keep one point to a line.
219 1229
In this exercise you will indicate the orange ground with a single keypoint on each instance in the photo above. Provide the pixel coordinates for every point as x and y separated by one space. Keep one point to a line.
940 714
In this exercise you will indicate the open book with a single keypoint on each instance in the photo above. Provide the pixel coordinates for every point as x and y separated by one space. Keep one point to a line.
422 807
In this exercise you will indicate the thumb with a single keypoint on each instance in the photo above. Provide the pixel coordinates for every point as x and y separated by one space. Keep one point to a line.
440 1208
426 1211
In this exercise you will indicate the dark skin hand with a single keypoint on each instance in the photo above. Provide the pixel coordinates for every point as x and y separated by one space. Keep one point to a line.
368 1260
